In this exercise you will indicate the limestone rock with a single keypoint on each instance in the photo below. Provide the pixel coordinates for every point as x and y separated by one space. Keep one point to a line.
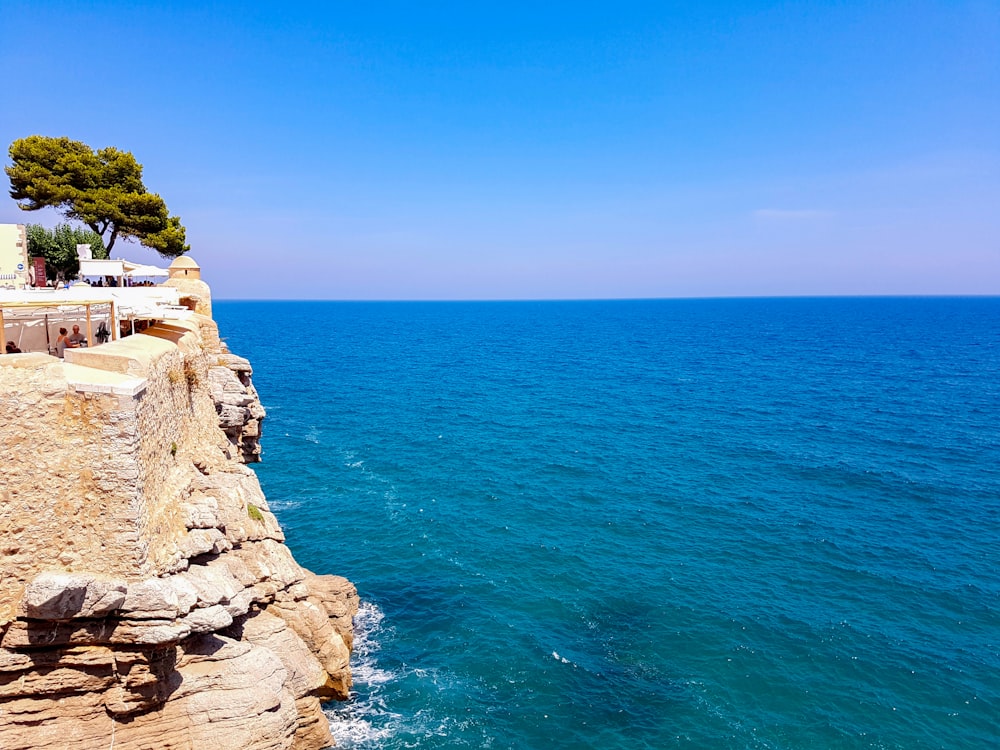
155 598
33 634
339 598
61 596
308 620
202 512
208 619
237 404
305 675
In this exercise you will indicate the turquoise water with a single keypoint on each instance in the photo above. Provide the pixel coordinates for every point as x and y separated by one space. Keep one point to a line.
649 524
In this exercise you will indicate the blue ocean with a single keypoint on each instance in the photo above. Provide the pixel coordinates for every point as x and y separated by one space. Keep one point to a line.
746 523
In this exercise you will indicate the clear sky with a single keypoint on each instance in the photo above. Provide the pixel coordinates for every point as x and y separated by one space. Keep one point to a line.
538 150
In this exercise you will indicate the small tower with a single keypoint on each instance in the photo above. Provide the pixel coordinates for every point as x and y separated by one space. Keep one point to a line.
185 277
184 267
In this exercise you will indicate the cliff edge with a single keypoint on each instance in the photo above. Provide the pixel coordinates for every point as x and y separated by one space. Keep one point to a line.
147 598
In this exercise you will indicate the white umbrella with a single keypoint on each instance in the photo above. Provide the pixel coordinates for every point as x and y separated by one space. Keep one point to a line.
147 272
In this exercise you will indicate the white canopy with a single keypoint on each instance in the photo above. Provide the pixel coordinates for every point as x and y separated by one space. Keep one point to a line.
103 267
31 317
147 272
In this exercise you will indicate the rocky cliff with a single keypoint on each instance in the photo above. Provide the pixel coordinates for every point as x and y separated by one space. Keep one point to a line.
239 407
147 599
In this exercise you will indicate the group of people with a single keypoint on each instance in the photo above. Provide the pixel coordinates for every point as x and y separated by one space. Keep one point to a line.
112 281
77 339
69 341
64 342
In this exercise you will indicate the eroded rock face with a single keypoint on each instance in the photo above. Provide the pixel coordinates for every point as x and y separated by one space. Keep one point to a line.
173 616
238 405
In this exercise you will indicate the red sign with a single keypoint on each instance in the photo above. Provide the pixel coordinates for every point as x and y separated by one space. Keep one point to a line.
39 264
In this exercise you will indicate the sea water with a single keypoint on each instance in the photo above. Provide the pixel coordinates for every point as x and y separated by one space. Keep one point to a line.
768 523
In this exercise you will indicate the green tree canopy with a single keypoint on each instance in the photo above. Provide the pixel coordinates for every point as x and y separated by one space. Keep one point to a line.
103 189
58 247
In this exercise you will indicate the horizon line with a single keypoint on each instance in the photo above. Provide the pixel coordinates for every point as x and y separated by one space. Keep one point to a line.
917 295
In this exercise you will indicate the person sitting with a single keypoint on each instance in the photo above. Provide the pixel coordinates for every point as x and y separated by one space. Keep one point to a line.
62 342
12 348
76 339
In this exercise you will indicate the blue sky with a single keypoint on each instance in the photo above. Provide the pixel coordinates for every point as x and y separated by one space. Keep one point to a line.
510 151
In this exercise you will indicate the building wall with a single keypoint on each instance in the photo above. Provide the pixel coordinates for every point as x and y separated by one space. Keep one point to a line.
62 456
13 253
194 294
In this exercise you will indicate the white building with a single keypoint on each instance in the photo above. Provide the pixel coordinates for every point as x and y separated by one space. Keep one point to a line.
14 263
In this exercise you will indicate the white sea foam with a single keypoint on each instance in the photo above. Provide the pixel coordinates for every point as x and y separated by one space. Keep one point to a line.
351 730
562 659
367 629
351 723
365 722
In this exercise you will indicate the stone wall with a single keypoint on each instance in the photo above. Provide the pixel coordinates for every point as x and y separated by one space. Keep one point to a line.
146 594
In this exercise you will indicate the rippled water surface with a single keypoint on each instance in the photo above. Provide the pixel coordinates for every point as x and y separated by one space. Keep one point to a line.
648 524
